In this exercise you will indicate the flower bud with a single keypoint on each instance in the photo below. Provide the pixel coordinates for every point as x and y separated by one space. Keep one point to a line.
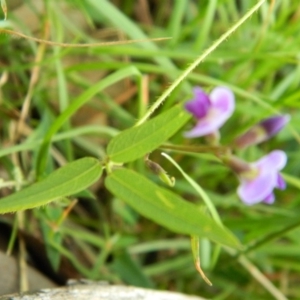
262 131
158 170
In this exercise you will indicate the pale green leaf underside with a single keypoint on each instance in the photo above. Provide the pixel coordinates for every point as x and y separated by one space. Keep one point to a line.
135 142
166 208
66 181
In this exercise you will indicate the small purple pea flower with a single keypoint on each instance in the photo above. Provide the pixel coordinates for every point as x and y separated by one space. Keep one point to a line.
258 179
211 111
262 131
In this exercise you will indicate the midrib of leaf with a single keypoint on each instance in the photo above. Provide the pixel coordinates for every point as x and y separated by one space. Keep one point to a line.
53 190
140 136
128 191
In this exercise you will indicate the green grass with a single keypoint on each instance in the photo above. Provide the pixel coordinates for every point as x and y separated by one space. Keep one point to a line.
83 97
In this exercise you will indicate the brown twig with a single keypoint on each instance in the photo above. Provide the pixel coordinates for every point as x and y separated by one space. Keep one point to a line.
33 80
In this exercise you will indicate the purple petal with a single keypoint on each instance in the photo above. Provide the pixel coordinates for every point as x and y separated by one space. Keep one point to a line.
257 190
207 125
274 124
274 161
199 105
262 131
269 199
280 184
202 128
211 112
222 99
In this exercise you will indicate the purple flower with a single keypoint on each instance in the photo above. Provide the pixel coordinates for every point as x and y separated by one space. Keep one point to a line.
262 131
211 111
258 181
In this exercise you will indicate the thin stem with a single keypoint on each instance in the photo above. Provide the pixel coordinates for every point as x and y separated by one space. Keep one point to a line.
87 45
272 236
217 150
200 191
34 77
4 9
257 274
261 278
223 37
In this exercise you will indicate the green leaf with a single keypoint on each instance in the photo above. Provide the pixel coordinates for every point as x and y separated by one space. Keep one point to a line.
135 142
75 105
166 208
130 271
198 189
68 180
47 217
195 245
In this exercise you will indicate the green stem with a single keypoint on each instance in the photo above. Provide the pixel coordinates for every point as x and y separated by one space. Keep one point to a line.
169 90
199 190
206 26
272 236
217 150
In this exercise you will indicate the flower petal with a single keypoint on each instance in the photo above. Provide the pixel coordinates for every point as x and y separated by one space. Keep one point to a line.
274 124
207 125
280 182
222 99
202 128
274 161
254 191
210 111
262 131
269 199
199 105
